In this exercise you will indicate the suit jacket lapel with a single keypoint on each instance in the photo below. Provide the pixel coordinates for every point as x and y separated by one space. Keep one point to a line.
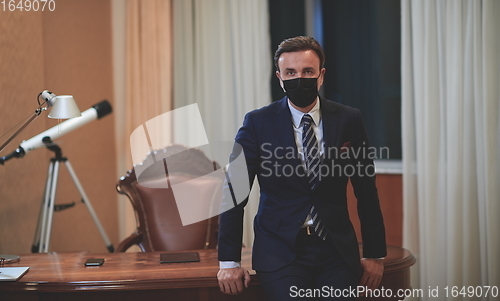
283 126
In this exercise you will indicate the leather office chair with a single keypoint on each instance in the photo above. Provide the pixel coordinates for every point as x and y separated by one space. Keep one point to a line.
159 226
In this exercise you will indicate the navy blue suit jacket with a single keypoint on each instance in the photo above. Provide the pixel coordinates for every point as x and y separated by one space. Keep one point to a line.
271 154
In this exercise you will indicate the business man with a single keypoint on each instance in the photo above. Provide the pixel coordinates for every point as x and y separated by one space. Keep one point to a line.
303 150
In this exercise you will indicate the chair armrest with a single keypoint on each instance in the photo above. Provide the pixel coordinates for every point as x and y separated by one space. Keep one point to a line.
134 239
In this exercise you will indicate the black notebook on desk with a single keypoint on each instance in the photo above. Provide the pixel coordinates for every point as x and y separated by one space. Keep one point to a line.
179 257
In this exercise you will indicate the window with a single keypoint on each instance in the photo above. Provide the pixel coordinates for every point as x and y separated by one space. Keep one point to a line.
361 40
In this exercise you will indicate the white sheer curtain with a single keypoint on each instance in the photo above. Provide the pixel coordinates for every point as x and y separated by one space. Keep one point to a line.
451 142
223 63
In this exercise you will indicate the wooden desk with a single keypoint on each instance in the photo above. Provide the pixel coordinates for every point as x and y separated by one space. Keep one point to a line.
140 276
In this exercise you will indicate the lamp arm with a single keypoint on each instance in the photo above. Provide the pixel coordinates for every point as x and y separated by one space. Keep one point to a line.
21 128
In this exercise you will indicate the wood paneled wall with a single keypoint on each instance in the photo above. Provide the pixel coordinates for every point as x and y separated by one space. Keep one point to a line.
67 51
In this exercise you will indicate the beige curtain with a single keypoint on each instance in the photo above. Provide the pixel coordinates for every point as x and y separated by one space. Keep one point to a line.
144 86
149 62
451 140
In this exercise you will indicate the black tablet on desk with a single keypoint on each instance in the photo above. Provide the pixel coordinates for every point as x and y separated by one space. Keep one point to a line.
179 257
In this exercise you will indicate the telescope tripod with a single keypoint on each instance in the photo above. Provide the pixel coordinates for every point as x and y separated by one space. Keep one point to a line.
42 235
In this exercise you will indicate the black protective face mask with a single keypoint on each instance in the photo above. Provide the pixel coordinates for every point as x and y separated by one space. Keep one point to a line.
301 91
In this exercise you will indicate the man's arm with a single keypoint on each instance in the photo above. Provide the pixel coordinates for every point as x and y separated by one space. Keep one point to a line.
365 190
370 215
232 278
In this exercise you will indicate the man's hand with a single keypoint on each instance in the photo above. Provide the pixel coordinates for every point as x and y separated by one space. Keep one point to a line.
373 269
233 281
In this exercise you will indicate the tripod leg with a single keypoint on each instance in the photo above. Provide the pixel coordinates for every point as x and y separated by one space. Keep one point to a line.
89 206
47 225
37 246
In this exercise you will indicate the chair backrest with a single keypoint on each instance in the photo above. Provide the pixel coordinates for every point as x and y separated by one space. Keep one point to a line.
159 225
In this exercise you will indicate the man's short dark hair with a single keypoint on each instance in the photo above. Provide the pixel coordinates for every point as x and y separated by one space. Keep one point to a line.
300 43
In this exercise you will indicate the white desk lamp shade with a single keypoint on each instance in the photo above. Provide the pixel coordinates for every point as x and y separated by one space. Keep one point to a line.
64 108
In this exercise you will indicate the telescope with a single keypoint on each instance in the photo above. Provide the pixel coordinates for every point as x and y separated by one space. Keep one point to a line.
97 111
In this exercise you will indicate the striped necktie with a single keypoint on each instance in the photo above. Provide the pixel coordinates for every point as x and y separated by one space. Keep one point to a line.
312 161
